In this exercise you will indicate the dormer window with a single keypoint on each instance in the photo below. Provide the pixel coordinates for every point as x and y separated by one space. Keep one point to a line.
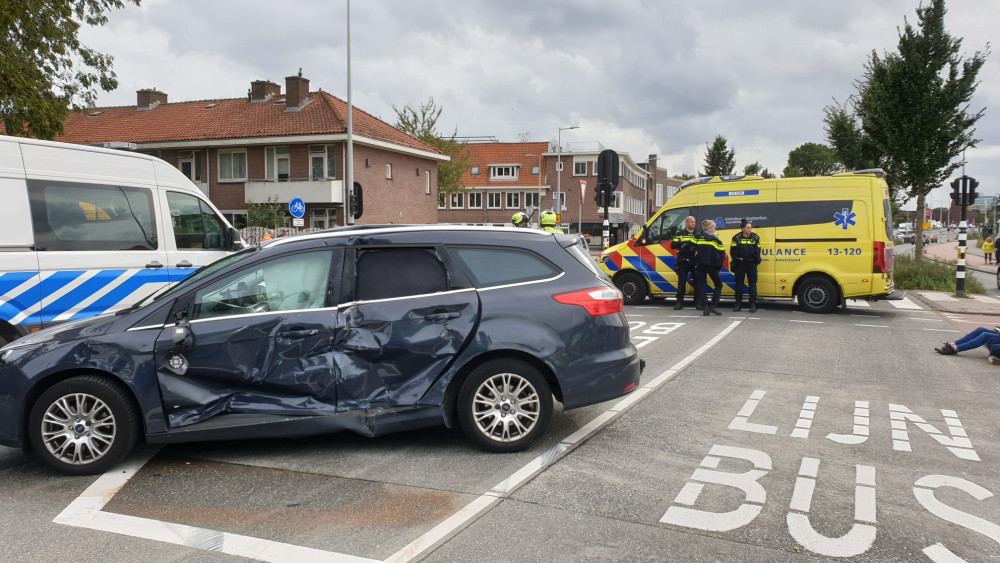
504 171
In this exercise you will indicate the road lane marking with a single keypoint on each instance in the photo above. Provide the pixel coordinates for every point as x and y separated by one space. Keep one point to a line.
905 303
872 326
811 322
553 454
859 304
867 316
940 330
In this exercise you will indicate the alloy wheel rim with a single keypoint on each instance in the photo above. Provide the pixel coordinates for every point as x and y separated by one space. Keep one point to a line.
506 407
78 428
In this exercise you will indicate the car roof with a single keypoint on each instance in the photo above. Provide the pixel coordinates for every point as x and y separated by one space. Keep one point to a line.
342 235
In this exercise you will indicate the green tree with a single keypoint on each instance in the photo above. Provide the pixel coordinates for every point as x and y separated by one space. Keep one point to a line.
44 69
755 168
422 124
811 159
719 159
269 214
913 106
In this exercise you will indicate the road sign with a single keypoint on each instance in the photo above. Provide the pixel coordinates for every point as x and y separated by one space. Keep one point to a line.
583 189
298 222
297 207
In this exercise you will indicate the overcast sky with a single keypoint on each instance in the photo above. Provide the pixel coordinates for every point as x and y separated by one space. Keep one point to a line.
641 76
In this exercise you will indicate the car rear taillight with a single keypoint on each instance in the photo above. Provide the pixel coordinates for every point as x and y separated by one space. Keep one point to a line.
879 261
597 301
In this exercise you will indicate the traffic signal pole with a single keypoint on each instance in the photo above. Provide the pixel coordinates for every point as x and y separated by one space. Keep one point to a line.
964 194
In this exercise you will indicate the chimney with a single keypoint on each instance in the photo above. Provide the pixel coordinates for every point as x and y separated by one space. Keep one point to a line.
296 90
263 90
149 98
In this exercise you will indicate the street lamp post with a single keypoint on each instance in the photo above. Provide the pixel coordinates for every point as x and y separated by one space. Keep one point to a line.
558 201
539 206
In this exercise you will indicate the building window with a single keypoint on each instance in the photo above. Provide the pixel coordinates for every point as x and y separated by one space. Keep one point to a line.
494 200
388 172
237 219
427 182
276 163
458 201
659 195
513 200
532 199
322 165
504 172
475 200
562 202
474 171
579 168
535 170
232 166
442 201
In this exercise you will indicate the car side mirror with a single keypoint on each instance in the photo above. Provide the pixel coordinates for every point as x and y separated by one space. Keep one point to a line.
182 337
233 241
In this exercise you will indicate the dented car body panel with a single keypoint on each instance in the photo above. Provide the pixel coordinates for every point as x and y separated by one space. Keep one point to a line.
370 330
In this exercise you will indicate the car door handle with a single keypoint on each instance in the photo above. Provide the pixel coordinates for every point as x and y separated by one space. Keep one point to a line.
183 264
154 264
298 333
443 316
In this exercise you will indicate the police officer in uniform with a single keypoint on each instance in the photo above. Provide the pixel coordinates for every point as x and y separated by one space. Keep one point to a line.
709 259
548 222
520 220
686 245
744 256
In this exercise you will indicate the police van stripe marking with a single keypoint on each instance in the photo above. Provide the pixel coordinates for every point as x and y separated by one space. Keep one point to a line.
55 310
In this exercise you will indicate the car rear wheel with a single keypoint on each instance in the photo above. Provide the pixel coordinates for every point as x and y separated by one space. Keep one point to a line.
83 425
817 295
504 405
633 288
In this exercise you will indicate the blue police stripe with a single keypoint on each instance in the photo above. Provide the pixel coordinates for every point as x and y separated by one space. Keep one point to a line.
76 296
11 280
122 291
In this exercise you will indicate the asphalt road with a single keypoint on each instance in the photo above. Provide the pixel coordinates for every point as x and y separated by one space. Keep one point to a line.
780 436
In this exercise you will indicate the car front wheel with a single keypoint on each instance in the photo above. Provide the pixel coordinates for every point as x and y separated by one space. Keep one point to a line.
83 425
817 295
504 405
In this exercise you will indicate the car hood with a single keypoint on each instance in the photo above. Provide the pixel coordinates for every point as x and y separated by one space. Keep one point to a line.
72 330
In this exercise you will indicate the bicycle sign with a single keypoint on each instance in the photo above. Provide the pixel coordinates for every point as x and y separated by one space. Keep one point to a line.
297 207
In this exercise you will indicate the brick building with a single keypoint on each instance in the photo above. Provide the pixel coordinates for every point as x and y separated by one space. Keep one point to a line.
508 177
274 146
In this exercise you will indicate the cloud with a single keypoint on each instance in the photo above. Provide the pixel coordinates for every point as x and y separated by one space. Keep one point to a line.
641 76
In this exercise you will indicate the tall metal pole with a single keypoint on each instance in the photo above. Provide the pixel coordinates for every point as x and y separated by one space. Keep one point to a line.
960 269
349 165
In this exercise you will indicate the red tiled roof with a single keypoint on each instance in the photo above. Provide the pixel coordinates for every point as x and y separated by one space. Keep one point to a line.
485 154
234 118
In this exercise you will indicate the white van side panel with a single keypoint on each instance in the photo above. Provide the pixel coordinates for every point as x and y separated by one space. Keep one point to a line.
81 165
15 233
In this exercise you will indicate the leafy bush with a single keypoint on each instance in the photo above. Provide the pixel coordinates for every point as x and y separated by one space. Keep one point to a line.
930 274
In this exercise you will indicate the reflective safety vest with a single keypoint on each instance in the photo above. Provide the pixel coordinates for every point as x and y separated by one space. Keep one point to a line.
745 248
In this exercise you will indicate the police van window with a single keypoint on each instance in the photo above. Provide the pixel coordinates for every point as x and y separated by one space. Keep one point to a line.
385 274
70 216
496 266
665 227
291 283
196 226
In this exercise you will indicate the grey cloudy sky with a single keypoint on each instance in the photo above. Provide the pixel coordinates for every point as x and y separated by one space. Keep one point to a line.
640 76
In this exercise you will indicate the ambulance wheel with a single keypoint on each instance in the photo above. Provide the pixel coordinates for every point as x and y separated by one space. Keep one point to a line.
633 288
817 295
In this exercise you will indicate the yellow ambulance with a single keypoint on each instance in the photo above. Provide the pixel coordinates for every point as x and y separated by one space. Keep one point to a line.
823 239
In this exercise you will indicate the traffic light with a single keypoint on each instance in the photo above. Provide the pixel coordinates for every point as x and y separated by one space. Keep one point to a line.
356 203
602 194
956 198
973 194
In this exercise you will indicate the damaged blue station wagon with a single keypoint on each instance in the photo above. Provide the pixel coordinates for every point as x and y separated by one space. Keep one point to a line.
368 329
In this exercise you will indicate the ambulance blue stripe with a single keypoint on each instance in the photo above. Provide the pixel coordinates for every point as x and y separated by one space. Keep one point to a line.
122 291
78 295
639 264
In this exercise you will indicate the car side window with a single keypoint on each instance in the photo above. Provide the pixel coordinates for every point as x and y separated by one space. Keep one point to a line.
665 227
196 227
289 283
69 216
497 265
389 273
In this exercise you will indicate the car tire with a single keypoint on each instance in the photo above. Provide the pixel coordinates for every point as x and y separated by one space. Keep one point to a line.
817 295
504 405
633 288
83 425
998 278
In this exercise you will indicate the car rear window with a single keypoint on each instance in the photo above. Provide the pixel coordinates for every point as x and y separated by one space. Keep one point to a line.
497 266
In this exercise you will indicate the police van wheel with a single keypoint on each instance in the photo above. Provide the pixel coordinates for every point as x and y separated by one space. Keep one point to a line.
633 288
817 295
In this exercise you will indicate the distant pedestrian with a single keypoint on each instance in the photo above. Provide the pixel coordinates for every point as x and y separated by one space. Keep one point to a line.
989 247
268 235
711 255
982 336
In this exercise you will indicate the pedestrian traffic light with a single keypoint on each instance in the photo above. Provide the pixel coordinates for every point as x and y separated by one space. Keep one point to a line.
356 204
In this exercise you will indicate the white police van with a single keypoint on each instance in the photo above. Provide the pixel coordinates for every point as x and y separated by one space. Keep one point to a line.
86 231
